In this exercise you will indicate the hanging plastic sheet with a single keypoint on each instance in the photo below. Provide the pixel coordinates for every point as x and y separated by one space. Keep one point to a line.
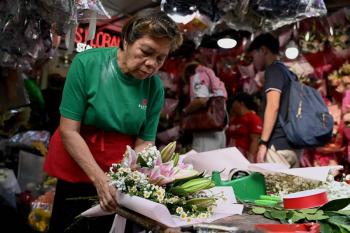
268 15
194 17
61 12
25 38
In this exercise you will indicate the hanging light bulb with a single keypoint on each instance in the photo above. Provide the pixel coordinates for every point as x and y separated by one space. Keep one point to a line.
331 32
292 50
178 18
227 43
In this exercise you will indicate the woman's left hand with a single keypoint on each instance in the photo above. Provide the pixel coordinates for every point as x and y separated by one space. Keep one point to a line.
107 194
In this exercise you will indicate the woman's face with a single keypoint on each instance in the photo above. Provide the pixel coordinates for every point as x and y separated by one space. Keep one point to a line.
145 56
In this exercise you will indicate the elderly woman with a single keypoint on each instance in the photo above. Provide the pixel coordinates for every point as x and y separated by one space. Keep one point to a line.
112 98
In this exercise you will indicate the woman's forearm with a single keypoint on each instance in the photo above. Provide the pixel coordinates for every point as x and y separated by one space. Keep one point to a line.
79 151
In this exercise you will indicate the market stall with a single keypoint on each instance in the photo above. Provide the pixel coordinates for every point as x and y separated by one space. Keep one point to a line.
39 40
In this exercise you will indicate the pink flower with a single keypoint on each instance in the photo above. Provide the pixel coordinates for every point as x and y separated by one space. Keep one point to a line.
130 158
161 173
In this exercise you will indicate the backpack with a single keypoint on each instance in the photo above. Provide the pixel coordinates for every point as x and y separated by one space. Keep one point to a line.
308 123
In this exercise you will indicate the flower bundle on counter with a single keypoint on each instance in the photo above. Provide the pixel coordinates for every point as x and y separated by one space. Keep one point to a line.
161 177
281 184
337 189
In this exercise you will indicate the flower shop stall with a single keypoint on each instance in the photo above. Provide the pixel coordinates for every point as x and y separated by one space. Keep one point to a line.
303 198
38 41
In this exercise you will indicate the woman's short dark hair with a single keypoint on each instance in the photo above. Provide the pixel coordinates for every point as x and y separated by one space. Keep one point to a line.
153 23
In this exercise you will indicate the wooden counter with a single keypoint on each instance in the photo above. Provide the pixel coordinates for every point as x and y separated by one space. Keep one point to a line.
245 222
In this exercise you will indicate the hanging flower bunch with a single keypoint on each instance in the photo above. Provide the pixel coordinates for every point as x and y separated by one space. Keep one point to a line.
340 78
159 176
340 39
312 41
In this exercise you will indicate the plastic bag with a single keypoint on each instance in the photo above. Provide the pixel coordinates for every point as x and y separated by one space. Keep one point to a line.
85 7
25 38
277 13
61 12
40 214
29 137
195 20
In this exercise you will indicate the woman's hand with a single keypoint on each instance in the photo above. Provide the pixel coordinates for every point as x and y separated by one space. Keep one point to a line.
107 194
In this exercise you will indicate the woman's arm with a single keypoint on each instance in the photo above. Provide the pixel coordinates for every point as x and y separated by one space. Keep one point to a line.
79 151
141 144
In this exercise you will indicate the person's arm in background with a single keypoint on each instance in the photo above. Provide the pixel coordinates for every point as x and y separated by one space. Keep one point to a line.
79 151
270 116
199 93
254 146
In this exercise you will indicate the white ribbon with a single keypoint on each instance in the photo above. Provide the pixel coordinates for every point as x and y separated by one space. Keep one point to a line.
118 224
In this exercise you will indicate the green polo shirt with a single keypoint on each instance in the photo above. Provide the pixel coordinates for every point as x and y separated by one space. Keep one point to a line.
97 93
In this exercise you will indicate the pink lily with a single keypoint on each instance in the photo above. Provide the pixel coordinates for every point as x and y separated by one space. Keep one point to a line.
161 174
130 158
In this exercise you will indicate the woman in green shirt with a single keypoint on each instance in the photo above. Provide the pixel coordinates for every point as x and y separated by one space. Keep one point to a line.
111 99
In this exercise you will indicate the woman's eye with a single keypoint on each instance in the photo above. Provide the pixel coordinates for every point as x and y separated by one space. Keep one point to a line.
146 52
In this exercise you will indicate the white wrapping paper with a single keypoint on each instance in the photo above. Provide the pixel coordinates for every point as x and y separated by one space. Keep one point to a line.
231 158
161 214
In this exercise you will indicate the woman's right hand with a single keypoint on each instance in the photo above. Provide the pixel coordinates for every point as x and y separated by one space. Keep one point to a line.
107 194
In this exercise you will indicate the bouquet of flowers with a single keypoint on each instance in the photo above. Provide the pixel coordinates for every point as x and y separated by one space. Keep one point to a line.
312 41
161 177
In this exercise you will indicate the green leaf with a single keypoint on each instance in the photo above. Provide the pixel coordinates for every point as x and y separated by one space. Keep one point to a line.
278 214
290 214
314 217
335 205
308 211
258 210
342 230
344 212
267 214
340 221
319 212
297 216
331 213
325 227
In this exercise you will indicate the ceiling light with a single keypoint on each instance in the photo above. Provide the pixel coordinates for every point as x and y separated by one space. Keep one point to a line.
227 43
182 18
192 8
292 50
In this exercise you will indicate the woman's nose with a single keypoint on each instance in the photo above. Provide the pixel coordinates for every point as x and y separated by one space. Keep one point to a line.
151 62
